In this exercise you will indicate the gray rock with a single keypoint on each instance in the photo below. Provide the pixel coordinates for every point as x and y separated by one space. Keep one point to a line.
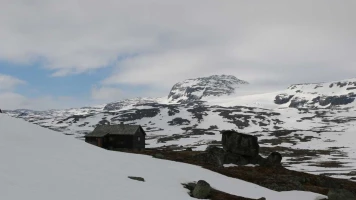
352 173
274 158
137 178
283 98
202 190
189 149
231 158
209 158
212 149
239 143
262 198
158 155
340 194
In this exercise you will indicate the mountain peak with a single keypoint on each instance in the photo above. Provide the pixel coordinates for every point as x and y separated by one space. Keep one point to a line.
198 88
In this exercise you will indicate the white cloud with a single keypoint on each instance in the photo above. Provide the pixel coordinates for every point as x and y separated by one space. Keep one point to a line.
106 94
8 82
11 101
156 43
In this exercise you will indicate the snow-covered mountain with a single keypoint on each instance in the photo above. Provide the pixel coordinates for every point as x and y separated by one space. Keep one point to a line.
40 164
196 89
310 124
333 94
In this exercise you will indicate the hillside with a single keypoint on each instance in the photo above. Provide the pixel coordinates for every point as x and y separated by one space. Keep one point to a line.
312 125
40 164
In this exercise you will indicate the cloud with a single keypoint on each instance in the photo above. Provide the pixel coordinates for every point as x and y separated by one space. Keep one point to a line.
12 101
8 82
105 93
9 99
155 44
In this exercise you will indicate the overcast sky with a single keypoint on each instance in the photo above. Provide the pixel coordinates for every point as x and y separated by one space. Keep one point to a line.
68 53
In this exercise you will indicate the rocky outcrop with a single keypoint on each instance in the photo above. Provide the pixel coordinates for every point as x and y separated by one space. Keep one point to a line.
335 100
239 149
340 194
282 98
313 95
274 159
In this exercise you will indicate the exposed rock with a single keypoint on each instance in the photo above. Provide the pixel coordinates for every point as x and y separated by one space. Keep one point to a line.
158 155
297 102
340 194
334 100
240 143
218 156
274 159
120 104
189 149
137 178
210 159
213 149
231 158
179 121
352 173
282 98
202 190
195 89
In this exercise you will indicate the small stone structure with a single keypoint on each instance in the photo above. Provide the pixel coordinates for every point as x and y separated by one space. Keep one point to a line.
239 143
239 149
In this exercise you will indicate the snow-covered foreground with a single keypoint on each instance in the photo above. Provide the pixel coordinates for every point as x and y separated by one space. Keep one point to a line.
37 164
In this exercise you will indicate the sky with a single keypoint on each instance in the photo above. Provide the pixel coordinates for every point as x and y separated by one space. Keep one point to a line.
73 53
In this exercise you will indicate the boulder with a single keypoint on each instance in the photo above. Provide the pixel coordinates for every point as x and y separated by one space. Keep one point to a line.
158 155
189 149
239 143
209 158
274 158
202 190
231 158
340 194
212 149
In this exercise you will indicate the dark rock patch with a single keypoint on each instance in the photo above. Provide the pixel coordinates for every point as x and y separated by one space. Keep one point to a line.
179 121
282 99
340 194
297 102
137 178
136 114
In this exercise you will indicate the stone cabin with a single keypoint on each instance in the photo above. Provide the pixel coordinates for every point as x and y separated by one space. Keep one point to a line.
121 136
239 143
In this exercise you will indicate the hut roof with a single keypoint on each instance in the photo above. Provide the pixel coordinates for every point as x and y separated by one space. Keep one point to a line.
120 129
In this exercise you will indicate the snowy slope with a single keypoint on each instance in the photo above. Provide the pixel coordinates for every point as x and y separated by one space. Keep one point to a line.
40 164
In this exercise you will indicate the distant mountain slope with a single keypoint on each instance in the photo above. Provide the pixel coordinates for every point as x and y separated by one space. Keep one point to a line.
308 117
332 94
